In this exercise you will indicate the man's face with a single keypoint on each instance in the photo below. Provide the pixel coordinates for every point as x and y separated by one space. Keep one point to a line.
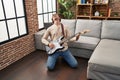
56 19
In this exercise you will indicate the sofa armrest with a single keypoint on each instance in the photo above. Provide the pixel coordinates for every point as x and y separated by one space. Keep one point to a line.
38 37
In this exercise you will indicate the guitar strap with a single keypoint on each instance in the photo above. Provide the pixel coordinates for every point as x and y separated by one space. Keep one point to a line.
62 29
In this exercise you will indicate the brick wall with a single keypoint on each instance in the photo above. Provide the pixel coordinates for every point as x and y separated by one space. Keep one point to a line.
16 49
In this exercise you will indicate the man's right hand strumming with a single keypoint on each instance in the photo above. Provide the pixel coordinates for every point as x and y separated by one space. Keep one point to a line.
51 45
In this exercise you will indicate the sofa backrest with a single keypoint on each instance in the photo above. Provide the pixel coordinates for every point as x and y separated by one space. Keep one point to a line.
110 29
93 25
70 24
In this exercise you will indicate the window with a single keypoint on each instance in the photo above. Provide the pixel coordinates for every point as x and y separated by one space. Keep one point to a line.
12 20
45 10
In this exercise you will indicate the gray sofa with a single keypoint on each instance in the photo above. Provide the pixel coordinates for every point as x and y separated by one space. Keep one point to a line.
101 46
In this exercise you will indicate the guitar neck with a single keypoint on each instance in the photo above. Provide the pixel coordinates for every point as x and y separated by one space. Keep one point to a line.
67 40
79 33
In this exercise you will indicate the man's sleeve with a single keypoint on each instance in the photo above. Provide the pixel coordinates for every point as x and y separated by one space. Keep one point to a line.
45 37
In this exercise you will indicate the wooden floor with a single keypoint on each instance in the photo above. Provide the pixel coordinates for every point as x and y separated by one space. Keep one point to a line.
33 67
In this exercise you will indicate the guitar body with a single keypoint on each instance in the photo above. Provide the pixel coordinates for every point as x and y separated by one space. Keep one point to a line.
56 48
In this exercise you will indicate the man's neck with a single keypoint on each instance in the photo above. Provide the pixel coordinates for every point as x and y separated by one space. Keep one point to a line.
57 24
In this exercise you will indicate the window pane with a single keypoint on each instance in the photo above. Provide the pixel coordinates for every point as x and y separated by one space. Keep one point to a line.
12 26
9 8
54 5
46 18
50 5
1 11
45 6
3 31
50 17
40 18
39 6
22 26
19 7
54 12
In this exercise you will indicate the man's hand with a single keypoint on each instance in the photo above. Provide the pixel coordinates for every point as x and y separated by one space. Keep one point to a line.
77 36
51 45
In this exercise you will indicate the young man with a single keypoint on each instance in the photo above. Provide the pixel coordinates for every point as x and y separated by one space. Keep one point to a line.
54 32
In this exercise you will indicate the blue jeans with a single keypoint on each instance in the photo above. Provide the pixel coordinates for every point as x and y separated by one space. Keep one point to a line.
68 57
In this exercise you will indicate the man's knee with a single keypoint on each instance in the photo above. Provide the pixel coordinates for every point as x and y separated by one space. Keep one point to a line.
74 65
50 68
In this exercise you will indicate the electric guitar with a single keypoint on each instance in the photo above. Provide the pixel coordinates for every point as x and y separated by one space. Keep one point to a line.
58 43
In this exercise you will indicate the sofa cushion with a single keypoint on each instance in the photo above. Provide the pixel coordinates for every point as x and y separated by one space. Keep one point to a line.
79 52
38 37
85 42
93 25
70 24
105 57
111 29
